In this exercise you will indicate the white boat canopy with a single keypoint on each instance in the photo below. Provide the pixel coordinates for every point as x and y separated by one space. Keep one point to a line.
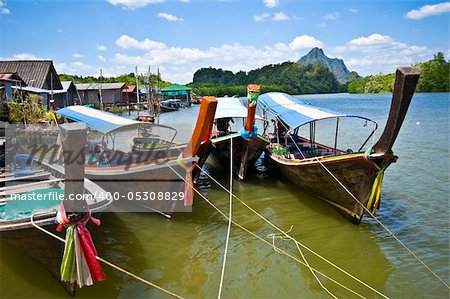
98 120
294 112
231 108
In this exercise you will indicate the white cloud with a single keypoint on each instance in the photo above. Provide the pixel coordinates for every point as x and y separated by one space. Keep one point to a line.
101 48
380 53
3 9
76 55
80 66
271 3
280 16
353 10
180 63
128 42
261 18
59 30
322 25
332 16
185 1
305 42
23 56
169 17
100 57
133 4
428 10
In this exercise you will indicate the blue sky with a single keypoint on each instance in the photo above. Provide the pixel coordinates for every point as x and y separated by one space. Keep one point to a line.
180 36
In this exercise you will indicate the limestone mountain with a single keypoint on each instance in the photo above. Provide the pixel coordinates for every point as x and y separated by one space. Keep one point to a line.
335 65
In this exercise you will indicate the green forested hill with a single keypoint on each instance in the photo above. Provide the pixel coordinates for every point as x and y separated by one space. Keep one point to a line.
434 77
290 77
128 79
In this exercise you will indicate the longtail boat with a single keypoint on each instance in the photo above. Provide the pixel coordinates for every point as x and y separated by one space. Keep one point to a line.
248 145
349 181
38 194
136 161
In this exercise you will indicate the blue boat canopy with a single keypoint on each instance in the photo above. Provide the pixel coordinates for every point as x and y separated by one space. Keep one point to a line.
98 120
293 111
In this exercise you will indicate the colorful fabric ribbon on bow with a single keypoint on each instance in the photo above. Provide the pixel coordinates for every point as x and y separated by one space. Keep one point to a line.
375 194
79 263
188 185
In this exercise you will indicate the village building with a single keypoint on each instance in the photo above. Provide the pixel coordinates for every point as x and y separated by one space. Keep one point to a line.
130 94
111 93
178 92
7 82
36 77
68 96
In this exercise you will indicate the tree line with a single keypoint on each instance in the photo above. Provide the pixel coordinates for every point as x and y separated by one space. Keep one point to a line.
434 77
289 77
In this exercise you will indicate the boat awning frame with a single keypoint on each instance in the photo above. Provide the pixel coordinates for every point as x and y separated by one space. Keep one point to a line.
295 113
231 108
101 121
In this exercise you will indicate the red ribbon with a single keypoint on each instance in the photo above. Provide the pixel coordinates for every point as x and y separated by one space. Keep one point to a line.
87 245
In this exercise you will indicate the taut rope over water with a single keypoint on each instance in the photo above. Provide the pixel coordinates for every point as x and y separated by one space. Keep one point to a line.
391 233
107 262
279 250
230 213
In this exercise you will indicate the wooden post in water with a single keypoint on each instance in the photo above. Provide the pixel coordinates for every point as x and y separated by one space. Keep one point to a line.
405 83
252 98
73 139
204 123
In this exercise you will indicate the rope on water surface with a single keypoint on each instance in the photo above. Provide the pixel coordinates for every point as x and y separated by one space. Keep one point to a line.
391 233
230 212
293 239
274 236
279 250
107 262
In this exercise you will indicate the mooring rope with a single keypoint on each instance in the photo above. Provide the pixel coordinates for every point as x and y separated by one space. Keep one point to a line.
106 262
373 216
230 213
273 236
279 250
293 239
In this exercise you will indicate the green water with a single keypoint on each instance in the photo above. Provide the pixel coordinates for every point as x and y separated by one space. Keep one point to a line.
185 254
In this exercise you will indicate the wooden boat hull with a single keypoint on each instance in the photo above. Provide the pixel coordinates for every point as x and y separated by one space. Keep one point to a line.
245 152
350 169
127 184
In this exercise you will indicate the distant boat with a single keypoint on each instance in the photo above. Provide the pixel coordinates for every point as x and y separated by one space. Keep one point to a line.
248 145
170 105
145 118
15 223
319 168
128 156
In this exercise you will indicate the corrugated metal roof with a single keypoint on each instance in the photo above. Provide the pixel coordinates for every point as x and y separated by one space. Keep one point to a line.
130 88
66 85
32 89
12 77
34 72
175 87
96 86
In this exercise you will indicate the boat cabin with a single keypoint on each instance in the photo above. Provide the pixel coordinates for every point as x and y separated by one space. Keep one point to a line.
297 124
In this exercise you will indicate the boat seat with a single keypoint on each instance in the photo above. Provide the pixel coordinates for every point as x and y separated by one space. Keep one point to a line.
21 160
